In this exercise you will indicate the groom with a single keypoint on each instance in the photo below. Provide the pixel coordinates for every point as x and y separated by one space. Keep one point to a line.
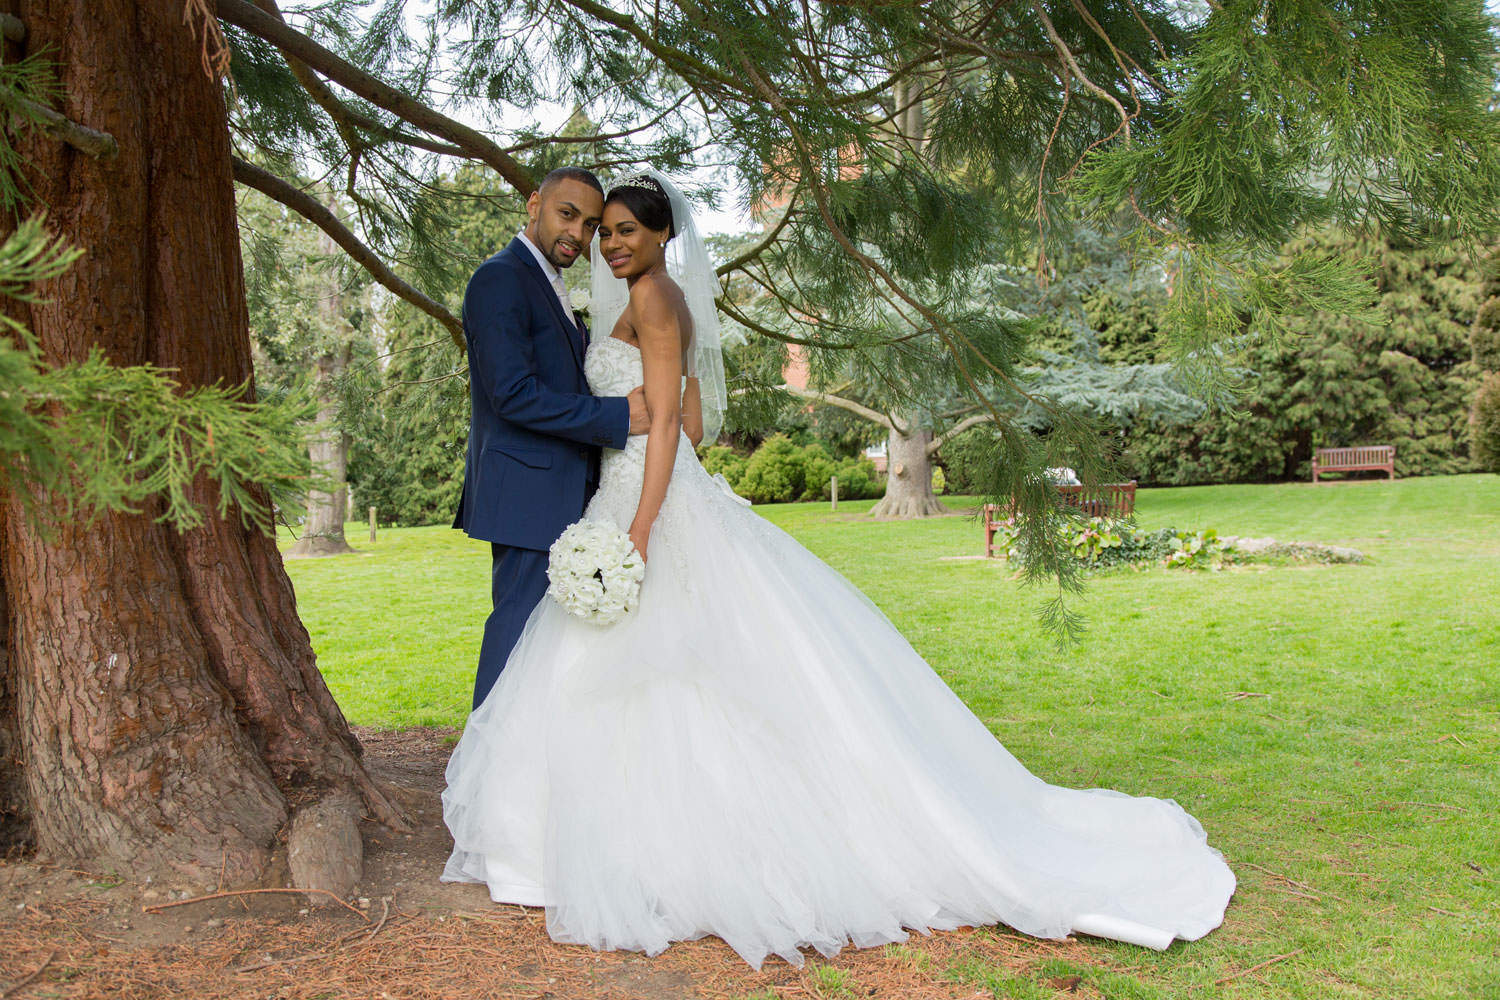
534 430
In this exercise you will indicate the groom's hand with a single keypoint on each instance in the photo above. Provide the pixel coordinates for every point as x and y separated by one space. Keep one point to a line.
640 417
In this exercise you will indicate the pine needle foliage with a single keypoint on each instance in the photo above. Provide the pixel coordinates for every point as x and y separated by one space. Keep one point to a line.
895 152
103 437
28 89
1363 116
1335 380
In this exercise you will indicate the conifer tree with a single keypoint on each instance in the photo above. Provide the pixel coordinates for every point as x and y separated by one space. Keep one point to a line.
1396 371
1484 337
310 315
1219 133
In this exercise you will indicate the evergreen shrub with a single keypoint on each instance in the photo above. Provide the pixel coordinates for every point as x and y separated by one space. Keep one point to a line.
722 460
1335 382
1486 423
967 459
781 471
1486 336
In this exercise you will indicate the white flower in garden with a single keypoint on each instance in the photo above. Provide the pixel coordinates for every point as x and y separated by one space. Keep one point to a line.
595 572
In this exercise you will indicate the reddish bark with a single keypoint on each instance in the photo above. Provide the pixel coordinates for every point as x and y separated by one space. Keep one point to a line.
15 816
165 693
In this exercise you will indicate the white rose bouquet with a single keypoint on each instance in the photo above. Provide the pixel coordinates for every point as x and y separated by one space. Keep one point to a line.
595 572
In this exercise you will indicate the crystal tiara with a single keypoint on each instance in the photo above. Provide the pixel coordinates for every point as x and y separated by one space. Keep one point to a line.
640 181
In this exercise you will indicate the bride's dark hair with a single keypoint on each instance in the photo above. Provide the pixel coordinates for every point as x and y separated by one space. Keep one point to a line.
646 201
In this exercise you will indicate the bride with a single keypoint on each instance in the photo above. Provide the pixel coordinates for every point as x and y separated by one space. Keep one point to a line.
756 752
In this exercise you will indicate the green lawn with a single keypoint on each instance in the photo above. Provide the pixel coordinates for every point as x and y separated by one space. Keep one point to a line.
1354 794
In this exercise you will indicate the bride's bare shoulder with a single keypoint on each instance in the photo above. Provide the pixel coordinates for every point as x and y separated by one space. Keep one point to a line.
655 291
657 305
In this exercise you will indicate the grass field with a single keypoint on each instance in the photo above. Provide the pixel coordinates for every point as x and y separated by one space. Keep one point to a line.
1353 789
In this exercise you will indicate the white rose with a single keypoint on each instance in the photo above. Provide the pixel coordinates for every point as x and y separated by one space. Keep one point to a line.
595 572
578 298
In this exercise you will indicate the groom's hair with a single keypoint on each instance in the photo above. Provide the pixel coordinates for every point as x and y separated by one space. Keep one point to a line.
571 174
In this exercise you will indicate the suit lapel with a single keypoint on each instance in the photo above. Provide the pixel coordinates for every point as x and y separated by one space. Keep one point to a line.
570 330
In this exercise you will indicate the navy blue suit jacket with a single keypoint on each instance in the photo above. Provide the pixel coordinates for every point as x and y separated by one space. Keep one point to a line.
534 428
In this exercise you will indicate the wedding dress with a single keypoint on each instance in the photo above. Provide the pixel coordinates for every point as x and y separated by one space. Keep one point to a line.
757 753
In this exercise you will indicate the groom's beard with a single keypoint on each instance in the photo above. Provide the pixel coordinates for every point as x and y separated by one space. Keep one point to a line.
560 259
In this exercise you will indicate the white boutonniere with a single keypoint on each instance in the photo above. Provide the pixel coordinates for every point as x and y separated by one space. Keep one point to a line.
578 298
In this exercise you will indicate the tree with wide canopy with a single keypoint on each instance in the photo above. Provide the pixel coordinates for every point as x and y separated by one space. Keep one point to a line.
161 711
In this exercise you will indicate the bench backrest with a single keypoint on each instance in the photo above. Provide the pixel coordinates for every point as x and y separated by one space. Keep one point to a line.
1104 500
1364 455
1101 500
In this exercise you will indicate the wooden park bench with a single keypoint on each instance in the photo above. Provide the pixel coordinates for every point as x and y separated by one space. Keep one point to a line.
1364 458
1104 500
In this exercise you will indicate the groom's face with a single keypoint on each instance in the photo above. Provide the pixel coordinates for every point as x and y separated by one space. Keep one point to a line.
564 215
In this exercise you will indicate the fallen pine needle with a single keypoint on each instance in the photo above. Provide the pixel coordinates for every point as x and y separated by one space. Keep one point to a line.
252 892
1306 889
1257 968
385 911
15 988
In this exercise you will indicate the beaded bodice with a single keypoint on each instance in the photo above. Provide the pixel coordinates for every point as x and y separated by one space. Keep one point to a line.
613 368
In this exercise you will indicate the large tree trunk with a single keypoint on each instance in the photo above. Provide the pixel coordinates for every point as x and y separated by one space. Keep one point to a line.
162 691
908 481
15 818
323 534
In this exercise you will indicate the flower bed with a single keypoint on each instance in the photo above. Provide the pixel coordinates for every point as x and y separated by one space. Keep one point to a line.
1106 543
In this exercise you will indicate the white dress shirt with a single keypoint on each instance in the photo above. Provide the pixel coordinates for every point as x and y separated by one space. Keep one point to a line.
552 273
555 276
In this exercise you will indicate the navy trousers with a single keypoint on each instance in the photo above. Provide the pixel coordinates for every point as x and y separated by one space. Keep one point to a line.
518 581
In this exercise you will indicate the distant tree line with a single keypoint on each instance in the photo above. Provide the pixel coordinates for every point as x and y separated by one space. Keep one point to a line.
1408 378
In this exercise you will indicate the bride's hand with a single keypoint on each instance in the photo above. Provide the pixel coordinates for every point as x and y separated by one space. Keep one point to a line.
639 536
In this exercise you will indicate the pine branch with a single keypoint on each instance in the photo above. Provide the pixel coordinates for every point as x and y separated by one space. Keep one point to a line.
309 208
90 142
565 140
251 18
348 119
98 436
765 242
1077 71
958 428
27 91
676 59
734 313
829 399
952 338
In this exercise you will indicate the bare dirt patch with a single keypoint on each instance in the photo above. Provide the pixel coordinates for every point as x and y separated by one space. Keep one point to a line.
72 934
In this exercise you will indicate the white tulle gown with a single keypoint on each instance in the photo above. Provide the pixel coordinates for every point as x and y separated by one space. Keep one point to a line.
757 753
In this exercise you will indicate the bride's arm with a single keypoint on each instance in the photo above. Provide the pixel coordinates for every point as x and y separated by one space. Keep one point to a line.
692 412
656 328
